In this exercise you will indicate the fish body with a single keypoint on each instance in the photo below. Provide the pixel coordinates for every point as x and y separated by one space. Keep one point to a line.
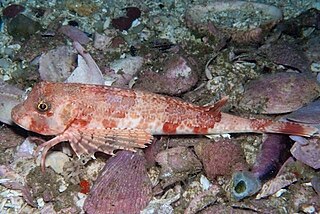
101 118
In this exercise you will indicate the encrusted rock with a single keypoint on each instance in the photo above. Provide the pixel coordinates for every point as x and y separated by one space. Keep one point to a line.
220 158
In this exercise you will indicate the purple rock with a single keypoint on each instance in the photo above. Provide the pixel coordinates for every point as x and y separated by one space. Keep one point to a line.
123 186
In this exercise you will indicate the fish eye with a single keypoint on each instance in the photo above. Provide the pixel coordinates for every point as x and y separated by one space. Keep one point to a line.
43 106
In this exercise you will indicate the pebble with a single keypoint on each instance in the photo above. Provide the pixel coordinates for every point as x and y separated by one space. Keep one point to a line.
63 187
56 161
206 184
315 67
40 202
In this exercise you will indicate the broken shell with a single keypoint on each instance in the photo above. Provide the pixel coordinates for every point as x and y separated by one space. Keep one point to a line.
124 70
122 187
88 71
203 199
56 65
309 114
279 93
308 154
276 184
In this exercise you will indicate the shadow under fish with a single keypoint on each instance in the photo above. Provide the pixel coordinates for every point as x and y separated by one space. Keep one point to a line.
275 150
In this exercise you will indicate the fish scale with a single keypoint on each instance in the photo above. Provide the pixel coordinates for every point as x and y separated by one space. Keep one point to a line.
101 118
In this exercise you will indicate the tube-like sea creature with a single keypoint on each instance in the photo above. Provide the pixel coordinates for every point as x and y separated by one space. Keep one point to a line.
274 152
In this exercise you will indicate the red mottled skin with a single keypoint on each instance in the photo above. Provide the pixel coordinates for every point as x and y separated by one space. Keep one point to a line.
101 118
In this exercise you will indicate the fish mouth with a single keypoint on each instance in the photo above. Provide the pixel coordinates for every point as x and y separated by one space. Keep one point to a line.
15 113
17 116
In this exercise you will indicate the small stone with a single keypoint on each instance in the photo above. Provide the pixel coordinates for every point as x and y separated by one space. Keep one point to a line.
206 184
56 160
40 202
177 75
62 187
82 7
315 67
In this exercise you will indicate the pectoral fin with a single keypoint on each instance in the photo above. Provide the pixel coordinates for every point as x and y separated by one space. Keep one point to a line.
90 141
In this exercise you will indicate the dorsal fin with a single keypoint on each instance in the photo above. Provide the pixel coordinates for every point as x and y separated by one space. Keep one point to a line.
216 108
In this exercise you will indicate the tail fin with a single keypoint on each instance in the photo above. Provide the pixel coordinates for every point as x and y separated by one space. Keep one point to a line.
235 124
290 128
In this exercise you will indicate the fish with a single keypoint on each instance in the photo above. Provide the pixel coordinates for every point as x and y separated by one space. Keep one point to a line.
106 119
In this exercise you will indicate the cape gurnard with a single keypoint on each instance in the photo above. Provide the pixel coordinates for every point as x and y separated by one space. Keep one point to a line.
101 118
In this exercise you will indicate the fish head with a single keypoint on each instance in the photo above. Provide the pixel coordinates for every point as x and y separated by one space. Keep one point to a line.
49 109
